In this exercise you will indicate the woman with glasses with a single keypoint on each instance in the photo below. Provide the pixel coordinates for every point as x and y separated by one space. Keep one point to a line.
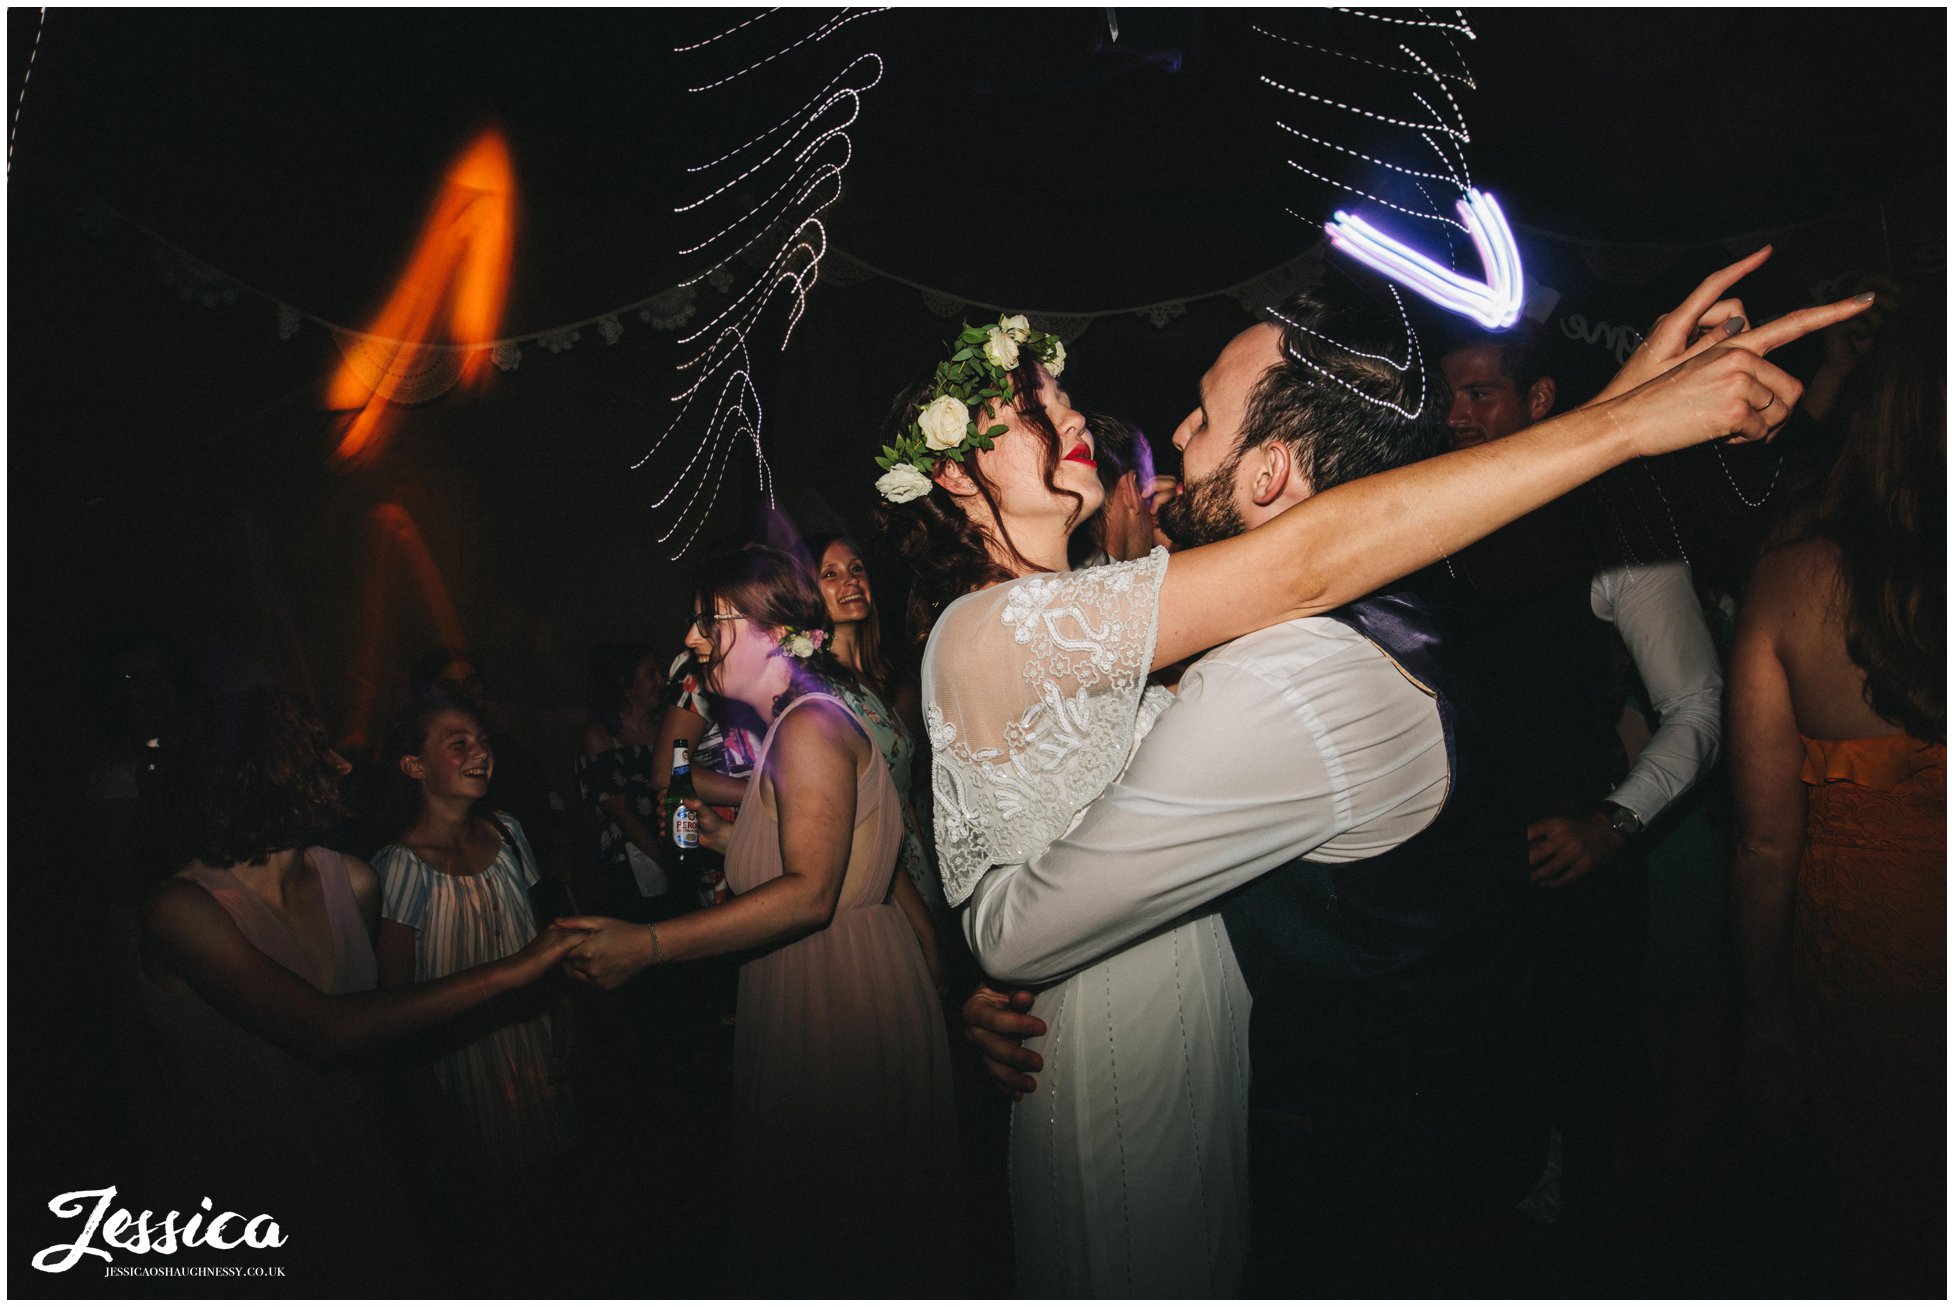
845 1130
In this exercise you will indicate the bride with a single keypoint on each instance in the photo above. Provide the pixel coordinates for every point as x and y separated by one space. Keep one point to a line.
1128 1171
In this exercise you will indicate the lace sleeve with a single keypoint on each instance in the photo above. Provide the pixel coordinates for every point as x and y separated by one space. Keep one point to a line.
1031 694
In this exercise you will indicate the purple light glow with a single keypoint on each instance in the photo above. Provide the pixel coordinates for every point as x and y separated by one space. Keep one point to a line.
1494 303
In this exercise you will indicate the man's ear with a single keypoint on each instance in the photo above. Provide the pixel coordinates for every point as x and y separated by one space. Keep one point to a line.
1127 490
951 475
1540 399
413 768
1272 473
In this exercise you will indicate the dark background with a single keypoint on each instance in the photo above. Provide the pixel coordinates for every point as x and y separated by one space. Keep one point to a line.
168 456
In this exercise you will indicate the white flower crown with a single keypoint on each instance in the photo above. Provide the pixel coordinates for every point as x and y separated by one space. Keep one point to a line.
976 375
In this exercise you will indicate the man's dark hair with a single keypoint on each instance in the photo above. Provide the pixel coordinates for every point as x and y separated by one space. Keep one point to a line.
1354 395
1119 449
424 676
1522 351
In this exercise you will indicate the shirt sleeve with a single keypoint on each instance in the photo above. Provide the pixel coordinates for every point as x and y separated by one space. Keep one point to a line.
1252 765
525 856
403 886
1656 611
1031 692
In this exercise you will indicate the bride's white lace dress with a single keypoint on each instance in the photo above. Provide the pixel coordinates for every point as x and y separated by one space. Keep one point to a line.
1129 1172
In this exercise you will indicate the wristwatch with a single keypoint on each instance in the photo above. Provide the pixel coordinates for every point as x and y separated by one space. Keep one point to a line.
1626 824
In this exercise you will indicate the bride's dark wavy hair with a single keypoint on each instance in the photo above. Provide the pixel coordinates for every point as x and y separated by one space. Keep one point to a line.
948 553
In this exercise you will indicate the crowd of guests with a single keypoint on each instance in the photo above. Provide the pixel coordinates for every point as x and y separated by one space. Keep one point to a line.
1552 837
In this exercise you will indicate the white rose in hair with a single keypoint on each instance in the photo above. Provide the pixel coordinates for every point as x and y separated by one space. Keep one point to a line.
799 646
944 421
1017 327
1001 349
902 483
1056 364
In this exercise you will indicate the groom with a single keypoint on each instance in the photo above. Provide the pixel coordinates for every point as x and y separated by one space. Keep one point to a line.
1339 779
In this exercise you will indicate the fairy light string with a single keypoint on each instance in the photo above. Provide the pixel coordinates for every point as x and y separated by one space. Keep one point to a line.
20 101
761 238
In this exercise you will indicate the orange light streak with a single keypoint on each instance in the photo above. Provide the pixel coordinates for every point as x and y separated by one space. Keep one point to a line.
458 276
391 536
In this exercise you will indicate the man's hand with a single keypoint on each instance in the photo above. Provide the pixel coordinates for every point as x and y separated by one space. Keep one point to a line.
1561 850
996 1024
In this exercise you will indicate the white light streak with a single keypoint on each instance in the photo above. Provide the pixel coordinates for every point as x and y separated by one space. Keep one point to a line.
1747 501
1459 26
1344 186
796 179
794 117
848 154
39 26
1448 178
1366 113
1494 303
1413 352
681 49
1465 78
1673 533
828 29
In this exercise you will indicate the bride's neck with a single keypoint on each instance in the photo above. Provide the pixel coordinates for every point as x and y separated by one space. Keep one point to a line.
1041 549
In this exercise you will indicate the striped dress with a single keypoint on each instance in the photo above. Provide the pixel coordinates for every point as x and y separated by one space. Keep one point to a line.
495 1071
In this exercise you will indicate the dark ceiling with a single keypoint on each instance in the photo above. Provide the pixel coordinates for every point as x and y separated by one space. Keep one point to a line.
295 148
1009 156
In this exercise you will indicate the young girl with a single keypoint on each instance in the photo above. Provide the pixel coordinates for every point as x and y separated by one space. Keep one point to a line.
456 894
258 979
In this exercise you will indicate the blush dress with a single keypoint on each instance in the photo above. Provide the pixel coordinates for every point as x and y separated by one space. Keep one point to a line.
256 1129
844 1120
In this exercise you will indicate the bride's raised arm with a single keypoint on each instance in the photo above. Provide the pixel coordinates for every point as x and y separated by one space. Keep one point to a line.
1343 543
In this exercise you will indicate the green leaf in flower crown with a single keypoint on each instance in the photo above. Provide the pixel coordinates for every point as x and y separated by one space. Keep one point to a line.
960 355
995 431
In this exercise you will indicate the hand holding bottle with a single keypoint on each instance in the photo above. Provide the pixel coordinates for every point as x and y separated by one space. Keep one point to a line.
715 832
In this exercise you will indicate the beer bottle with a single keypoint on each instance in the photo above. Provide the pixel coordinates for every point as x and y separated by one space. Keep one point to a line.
684 822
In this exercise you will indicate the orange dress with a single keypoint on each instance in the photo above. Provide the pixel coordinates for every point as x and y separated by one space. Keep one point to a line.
1869 978
841 1077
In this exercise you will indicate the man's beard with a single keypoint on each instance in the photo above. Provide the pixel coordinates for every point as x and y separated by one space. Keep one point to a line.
1204 511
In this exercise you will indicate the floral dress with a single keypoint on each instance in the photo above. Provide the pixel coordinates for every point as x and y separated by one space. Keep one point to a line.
898 749
624 770
728 749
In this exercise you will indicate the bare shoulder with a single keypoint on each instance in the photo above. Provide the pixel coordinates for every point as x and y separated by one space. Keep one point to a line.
181 917
1793 584
177 901
365 880
596 739
818 724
